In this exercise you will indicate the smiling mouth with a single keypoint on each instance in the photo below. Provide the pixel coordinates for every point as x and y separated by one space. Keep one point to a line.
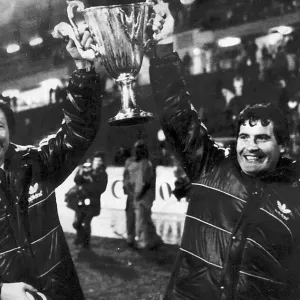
253 158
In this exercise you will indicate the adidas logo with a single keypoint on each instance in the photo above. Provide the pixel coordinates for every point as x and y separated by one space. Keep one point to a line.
283 208
283 211
33 192
33 189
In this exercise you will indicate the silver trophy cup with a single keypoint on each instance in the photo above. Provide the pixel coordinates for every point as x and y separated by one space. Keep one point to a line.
118 32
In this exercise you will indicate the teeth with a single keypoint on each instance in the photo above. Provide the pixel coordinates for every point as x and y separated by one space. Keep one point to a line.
252 158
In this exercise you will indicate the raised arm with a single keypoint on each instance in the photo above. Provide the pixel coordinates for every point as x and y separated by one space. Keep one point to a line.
61 153
183 129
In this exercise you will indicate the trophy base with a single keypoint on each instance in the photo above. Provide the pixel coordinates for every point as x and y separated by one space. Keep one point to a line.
131 117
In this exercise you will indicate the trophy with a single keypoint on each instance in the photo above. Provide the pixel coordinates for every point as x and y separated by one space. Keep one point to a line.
118 33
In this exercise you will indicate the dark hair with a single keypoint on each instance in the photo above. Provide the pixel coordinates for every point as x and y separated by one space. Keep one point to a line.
100 154
10 117
266 113
141 145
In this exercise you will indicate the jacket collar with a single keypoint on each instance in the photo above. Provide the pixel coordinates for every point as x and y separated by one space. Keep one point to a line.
287 170
13 157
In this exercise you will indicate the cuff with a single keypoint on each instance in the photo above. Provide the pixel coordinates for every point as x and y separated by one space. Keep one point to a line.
163 50
82 79
169 58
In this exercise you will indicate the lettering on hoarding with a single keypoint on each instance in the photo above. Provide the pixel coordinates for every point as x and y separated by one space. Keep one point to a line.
117 189
164 190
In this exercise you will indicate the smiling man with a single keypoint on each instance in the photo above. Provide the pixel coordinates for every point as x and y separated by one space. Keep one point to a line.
241 238
258 149
34 255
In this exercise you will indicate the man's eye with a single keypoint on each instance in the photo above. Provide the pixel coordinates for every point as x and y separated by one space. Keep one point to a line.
243 137
262 138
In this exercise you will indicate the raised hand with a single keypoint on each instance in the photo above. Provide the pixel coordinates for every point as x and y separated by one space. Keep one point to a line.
79 47
162 22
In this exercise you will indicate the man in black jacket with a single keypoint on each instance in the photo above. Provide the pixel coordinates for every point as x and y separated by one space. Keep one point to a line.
242 231
34 255
91 181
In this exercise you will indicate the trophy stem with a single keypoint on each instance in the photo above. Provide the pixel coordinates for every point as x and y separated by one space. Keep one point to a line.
130 113
128 98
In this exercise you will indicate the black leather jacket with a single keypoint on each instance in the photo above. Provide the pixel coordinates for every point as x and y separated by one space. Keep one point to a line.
33 247
93 183
242 236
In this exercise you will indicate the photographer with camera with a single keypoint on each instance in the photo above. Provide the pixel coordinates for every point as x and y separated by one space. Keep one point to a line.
84 197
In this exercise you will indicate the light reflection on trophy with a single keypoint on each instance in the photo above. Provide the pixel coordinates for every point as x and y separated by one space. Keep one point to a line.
118 32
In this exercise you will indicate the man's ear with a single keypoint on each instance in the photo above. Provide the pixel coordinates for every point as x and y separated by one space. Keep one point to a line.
282 148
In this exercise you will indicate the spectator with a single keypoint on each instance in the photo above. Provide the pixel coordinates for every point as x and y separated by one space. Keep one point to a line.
280 65
14 103
51 94
291 48
139 186
164 158
265 64
283 96
182 182
84 198
60 94
121 156
238 83
233 106
251 49
187 63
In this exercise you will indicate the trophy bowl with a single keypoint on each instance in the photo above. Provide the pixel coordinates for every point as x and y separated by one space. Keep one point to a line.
118 33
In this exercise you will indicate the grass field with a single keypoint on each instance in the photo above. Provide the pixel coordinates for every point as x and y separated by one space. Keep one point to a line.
112 271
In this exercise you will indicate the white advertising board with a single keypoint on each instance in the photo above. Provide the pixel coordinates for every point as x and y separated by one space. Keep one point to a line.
165 201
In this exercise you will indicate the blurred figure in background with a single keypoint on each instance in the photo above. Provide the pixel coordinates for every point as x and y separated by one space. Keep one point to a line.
139 185
233 105
14 103
84 197
291 48
182 182
187 63
164 158
121 156
266 63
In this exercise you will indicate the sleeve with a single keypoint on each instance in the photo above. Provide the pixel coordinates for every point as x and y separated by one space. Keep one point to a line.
61 153
183 129
78 176
97 186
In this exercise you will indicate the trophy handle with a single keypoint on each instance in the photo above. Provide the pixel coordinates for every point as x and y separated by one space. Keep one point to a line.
70 13
89 54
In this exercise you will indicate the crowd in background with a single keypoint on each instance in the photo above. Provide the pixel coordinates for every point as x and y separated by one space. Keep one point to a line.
231 13
271 71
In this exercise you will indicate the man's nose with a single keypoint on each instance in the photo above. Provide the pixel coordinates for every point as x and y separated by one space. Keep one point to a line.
252 145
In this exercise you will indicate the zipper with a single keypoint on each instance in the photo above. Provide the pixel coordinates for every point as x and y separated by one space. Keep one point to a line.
242 225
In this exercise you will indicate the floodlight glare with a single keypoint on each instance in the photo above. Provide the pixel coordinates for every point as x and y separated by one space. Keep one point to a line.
187 2
35 41
12 48
229 41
